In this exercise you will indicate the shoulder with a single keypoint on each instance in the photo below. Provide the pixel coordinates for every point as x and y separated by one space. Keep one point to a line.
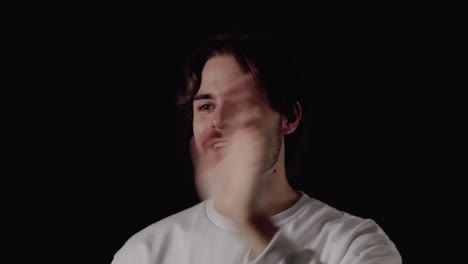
342 232
327 216
330 219
156 234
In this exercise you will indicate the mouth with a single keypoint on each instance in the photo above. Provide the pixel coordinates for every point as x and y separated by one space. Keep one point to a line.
219 145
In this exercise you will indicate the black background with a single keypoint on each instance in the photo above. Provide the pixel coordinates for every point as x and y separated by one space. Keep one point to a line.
380 136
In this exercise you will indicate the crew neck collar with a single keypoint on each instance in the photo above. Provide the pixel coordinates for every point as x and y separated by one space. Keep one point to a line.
279 219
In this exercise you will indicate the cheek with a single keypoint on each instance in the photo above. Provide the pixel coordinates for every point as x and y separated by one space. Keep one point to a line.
275 123
200 128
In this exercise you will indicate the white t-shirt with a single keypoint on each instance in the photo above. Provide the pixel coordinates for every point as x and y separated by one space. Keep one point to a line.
310 231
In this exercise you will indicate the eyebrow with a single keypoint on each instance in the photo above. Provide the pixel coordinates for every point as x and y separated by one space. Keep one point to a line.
202 96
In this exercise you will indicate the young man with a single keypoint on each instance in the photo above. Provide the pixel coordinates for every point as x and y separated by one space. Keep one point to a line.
242 98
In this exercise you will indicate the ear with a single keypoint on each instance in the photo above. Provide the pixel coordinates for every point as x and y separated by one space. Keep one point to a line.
289 126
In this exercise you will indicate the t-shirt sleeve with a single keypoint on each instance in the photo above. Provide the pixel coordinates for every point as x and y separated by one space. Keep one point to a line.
366 245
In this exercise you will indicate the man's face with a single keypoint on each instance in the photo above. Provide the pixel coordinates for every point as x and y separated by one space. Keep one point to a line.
229 101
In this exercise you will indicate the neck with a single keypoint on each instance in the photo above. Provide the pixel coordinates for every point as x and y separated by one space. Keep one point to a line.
277 194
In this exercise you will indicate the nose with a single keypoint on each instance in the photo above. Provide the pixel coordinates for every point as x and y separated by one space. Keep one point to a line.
218 120
217 123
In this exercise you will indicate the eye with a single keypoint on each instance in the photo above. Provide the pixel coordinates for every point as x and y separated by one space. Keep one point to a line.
205 107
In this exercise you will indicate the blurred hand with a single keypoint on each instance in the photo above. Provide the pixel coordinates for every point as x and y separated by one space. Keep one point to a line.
234 179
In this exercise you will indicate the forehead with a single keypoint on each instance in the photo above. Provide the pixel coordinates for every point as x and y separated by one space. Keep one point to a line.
222 74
